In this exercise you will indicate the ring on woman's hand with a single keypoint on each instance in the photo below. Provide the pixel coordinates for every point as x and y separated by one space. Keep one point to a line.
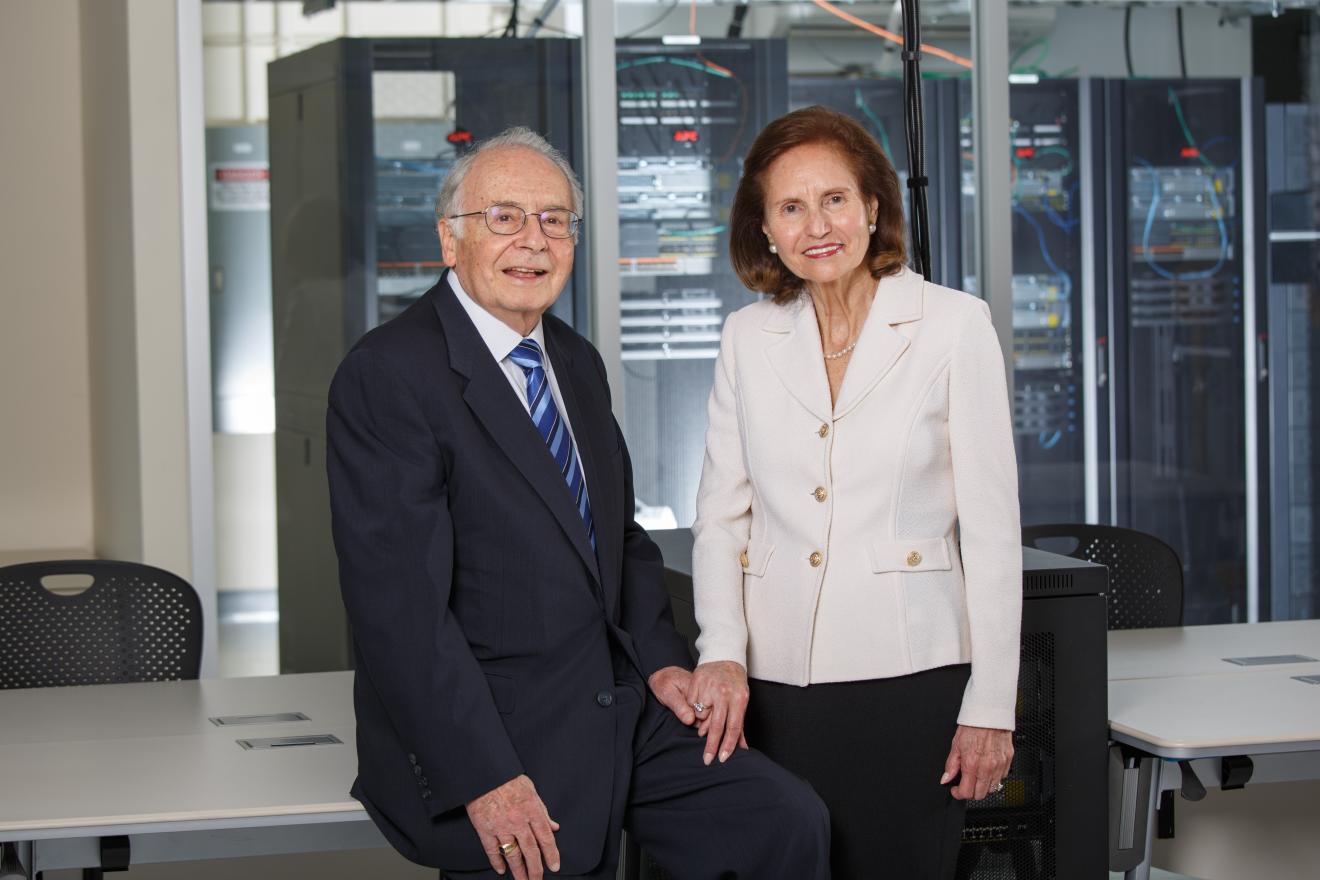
699 707
998 787
508 849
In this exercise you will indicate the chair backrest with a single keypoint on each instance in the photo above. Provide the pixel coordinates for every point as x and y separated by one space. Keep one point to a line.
1145 574
134 623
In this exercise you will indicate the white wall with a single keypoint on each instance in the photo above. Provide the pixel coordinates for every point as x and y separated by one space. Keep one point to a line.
45 442
150 411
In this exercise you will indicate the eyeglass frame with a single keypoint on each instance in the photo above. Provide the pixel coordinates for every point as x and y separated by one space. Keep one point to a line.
576 221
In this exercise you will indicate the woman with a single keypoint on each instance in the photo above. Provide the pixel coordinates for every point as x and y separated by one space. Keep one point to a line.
857 525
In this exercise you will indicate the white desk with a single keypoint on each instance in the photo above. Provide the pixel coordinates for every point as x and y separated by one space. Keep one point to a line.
1200 650
1173 698
143 761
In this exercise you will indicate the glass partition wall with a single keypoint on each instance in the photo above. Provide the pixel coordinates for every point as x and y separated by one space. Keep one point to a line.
1162 270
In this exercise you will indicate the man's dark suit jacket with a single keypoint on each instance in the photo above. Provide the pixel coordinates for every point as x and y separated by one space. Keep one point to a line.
482 619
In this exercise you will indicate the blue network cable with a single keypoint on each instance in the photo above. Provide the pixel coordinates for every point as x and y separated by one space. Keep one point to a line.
1150 223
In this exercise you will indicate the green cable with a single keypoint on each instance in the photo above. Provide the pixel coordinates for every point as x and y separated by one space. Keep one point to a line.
1035 65
860 102
1187 132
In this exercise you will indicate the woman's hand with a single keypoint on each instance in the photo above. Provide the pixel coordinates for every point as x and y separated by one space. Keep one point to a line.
718 694
982 755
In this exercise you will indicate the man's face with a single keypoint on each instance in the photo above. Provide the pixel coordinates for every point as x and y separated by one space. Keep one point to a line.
514 277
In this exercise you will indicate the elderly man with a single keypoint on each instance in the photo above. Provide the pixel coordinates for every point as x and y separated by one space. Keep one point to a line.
521 689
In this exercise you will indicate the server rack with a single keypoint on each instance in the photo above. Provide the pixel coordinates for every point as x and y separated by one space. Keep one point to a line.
1050 819
1293 363
1184 170
878 105
686 117
1056 222
362 131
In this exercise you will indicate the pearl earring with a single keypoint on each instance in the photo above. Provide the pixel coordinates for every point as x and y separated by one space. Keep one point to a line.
773 249
871 227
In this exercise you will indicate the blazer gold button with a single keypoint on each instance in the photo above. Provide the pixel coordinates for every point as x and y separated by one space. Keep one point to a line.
824 430
821 494
914 558
742 558
815 559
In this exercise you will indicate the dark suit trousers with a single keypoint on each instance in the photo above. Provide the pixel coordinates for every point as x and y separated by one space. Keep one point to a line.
747 818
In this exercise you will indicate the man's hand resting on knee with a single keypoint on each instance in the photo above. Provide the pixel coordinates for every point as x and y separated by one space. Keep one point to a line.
670 686
515 830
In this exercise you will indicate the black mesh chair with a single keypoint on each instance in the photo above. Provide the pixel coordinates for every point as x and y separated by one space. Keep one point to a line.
1145 574
134 623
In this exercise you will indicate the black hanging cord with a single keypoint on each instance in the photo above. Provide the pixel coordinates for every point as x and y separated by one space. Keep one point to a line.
915 129
1182 52
736 23
1127 38
511 29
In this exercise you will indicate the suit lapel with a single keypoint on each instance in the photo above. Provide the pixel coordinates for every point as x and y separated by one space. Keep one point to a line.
795 355
879 346
493 402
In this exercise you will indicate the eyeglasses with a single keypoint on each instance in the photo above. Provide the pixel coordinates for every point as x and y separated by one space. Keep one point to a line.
510 219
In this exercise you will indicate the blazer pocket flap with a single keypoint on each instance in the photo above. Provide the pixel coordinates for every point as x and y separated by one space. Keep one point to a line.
756 557
910 554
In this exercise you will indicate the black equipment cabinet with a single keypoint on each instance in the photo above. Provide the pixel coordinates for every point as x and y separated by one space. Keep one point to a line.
362 132
1184 167
1049 822
1055 211
687 114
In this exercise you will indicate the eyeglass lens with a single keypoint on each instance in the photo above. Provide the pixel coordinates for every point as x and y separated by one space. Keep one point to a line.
510 219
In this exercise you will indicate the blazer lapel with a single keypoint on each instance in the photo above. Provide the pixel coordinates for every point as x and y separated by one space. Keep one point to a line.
795 356
495 405
879 346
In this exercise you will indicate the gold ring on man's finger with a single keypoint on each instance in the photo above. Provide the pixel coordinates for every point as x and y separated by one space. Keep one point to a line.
508 849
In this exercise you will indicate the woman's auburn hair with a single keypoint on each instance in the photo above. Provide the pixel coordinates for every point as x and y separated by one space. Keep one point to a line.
762 271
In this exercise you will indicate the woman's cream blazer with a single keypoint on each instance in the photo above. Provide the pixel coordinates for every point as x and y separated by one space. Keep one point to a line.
876 537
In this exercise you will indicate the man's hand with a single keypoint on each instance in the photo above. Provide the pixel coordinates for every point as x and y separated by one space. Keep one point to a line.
670 686
720 689
982 755
514 814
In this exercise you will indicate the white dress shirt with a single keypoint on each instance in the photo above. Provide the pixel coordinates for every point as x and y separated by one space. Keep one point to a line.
502 339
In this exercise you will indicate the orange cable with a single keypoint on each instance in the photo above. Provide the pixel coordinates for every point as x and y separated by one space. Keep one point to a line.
692 17
891 36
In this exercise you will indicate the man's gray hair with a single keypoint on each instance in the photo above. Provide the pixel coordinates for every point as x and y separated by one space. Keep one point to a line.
446 202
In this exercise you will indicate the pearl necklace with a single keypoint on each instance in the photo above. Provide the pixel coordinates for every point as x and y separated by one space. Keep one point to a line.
840 353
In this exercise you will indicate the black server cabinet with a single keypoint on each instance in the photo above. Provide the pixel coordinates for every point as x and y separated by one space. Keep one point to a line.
686 117
878 105
1293 180
362 131
1053 180
1183 159
1049 822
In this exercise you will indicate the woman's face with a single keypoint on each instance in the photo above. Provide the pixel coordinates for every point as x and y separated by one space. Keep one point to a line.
816 215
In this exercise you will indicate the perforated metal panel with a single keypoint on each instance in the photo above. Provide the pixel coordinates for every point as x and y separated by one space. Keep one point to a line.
1145 574
134 623
1011 834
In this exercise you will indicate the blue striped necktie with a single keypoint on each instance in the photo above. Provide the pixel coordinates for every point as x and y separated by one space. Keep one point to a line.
553 429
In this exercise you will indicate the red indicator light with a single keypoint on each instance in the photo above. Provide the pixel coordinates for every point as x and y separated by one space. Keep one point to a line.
1025 152
686 136
1189 152
459 136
